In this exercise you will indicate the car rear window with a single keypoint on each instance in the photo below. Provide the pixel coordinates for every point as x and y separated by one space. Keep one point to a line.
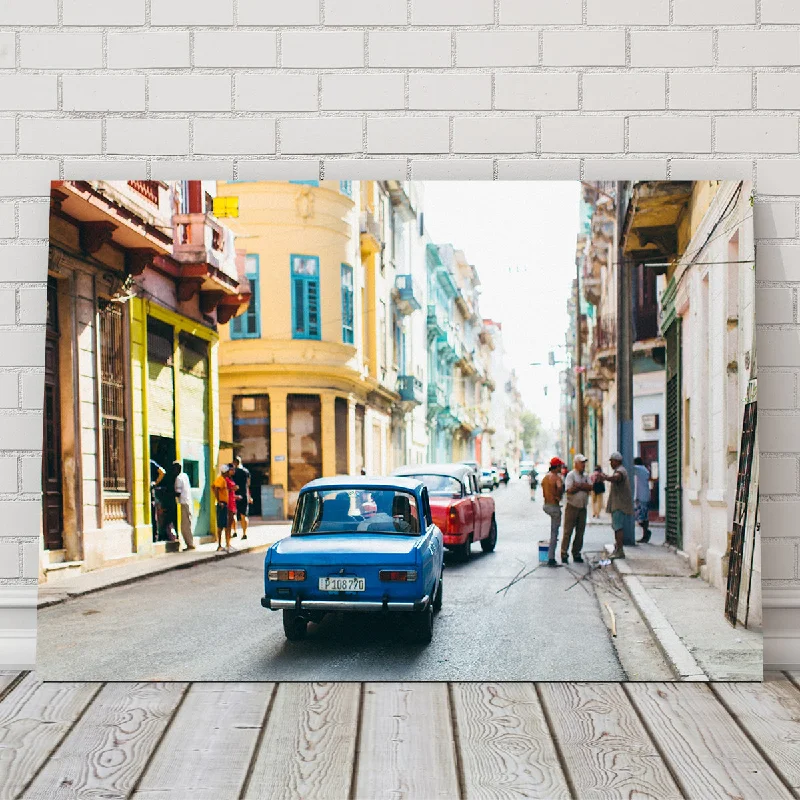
441 485
356 510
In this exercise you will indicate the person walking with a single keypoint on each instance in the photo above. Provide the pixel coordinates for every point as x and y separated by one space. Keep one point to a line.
241 477
577 488
183 493
552 492
598 490
641 497
620 501
224 516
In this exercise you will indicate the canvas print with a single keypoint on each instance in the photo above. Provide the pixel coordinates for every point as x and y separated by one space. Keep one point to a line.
400 430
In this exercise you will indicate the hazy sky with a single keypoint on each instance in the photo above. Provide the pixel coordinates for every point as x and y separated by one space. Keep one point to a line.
520 235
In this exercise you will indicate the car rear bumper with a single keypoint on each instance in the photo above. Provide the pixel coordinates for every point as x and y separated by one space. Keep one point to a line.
344 605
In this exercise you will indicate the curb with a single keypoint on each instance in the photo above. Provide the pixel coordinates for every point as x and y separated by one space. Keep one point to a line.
124 581
672 648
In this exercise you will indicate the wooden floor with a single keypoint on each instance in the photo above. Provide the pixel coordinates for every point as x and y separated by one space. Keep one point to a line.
399 741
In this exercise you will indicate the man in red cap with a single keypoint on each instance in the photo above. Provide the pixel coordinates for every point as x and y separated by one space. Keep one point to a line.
552 492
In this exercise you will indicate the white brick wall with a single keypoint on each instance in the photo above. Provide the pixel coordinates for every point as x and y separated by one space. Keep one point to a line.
513 89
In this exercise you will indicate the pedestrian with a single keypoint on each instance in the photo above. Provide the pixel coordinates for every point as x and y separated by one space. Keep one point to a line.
577 488
165 491
183 493
598 490
233 499
224 516
157 473
552 492
241 477
534 483
620 501
641 497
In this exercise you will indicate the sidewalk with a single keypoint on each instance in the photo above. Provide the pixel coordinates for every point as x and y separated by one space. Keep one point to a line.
686 616
259 538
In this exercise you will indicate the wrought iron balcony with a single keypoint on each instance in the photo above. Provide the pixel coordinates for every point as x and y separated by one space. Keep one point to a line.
448 343
437 396
437 321
407 294
410 389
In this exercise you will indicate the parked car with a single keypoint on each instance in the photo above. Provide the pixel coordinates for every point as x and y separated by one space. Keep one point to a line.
487 480
358 544
525 468
459 509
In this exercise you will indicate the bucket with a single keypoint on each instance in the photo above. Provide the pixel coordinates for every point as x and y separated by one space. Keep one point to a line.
544 549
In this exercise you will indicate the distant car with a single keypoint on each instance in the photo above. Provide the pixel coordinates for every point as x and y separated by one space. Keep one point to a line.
525 468
459 509
358 544
486 480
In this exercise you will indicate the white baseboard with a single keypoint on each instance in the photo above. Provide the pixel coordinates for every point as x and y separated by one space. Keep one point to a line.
17 649
782 651
18 644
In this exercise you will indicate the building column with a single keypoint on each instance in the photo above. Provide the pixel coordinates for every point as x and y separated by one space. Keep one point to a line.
351 434
328 432
279 443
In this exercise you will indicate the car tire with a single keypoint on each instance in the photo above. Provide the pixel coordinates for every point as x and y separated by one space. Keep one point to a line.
439 596
464 551
422 625
490 542
294 626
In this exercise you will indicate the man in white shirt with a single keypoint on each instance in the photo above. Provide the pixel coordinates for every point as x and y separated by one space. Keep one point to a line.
183 493
577 493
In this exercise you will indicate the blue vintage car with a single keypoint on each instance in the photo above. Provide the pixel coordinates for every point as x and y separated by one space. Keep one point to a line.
358 544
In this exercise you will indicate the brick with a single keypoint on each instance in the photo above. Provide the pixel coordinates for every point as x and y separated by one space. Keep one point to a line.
8 50
235 49
279 170
540 12
778 176
30 12
325 49
716 169
756 134
777 390
671 49
779 12
298 12
237 136
177 169
778 90
452 12
8 228
778 561
408 135
153 49
433 92
22 431
8 135
778 519
74 136
30 559
61 50
779 348
8 305
409 49
21 517
606 91
190 92
709 90
774 221
627 12
497 48
584 48
365 169
373 91
9 390
494 135
191 12
774 306
24 262
758 48
471 169
777 262
28 92
778 475
31 471
33 389
33 305
669 134
107 169
329 135
714 12
365 12
546 91
630 169
104 12
582 134
276 93
146 136
103 92
9 560
8 474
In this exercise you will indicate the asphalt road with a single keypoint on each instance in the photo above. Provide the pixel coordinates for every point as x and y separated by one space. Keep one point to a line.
206 623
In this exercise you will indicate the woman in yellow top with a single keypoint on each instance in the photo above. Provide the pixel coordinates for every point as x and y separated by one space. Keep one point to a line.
222 490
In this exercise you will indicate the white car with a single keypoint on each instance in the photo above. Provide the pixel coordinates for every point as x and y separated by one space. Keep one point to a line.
487 480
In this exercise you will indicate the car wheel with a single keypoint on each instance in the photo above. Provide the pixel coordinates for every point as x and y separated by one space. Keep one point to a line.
294 626
437 600
422 625
488 544
463 551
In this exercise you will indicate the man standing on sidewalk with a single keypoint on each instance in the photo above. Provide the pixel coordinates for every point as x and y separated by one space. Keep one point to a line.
578 488
224 516
641 497
620 501
552 492
241 477
183 492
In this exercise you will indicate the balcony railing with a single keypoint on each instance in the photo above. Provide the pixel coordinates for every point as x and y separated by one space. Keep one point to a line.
147 189
448 342
407 294
201 240
371 225
437 397
437 320
605 334
410 389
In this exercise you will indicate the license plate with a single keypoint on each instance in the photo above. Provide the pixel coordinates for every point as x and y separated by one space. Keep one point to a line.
342 584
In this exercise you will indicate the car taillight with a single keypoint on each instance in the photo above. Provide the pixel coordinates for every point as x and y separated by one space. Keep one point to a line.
452 520
398 575
287 575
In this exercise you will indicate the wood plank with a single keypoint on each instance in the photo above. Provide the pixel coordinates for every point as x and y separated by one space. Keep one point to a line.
770 713
34 718
7 681
309 743
606 750
108 749
206 751
504 742
705 748
406 747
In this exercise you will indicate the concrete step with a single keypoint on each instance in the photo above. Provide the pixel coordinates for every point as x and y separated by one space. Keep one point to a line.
61 570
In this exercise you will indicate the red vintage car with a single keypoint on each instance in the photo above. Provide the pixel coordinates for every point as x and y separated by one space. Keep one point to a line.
462 513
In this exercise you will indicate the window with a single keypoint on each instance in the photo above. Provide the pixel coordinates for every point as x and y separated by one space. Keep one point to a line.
248 325
346 187
112 402
306 183
347 304
305 297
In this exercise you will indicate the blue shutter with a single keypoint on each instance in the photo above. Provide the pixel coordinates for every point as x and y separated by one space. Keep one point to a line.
248 325
306 183
346 187
305 297
347 304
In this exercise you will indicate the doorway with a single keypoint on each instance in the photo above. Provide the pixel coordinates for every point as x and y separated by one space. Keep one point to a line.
251 442
648 452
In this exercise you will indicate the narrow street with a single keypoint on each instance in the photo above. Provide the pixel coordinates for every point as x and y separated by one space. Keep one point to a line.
206 623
